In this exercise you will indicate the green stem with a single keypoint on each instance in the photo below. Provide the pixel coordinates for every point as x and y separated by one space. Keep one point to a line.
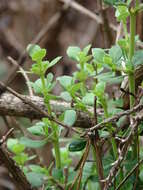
125 31
132 74
137 3
54 127
114 145
57 153
131 53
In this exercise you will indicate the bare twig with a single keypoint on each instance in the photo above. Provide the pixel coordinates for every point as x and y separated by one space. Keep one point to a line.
116 117
129 174
97 148
4 138
79 174
23 73
34 106
86 12
51 23
16 172
122 153
13 106
82 10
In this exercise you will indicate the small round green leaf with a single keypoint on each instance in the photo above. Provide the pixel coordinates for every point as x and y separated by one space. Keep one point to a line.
69 117
73 52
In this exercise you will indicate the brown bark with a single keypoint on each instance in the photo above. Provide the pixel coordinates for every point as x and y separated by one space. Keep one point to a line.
12 106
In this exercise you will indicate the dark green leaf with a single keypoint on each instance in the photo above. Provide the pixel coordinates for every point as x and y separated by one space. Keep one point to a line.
77 145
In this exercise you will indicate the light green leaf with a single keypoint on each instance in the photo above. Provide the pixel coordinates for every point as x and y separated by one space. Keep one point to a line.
36 179
81 75
65 81
69 117
21 158
14 146
88 99
141 175
66 96
50 77
54 61
11 142
138 58
57 174
115 53
86 49
38 169
74 88
104 134
32 49
37 129
98 54
35 69
32 143
39 55
37 86
122 13
45 65
113 2
18 148
73 52
99 89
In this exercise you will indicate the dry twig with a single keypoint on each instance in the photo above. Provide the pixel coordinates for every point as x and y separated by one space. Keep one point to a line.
51 23
17 174
34 106
122 153
116 117
23 73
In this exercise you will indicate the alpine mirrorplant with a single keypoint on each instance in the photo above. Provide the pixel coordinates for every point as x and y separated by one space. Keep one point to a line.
98 151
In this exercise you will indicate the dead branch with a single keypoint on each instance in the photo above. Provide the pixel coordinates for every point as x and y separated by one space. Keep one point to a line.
122 153
17 174
51 23
86 12
13 106
36 107
116 117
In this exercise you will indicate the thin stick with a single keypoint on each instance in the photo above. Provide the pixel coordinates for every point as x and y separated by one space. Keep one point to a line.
17 174
116 117
122 153
14 62
129 174
51 23
86 12
82 10
97 148
4 138
34 106
79 175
